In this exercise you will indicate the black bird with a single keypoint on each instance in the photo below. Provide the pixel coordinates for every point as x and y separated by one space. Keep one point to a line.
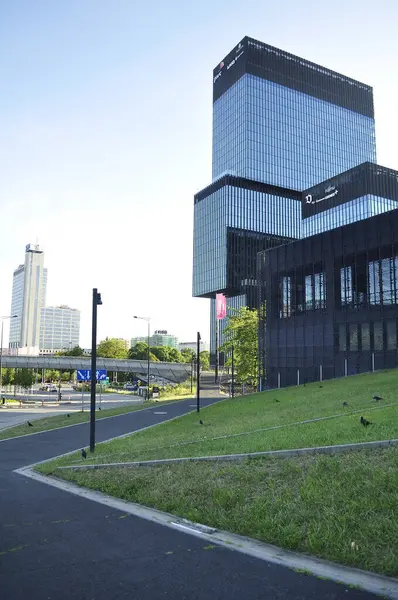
377 398
84 453
321 386
365 422
68 416
99 408
201 422
276 400
30 424
345 404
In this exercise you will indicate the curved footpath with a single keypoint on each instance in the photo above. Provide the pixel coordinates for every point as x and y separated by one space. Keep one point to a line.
58 546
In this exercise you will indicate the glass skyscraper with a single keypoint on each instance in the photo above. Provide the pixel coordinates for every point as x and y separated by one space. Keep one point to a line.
281 124
59 328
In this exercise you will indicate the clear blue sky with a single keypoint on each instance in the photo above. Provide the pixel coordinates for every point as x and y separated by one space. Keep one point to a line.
105 135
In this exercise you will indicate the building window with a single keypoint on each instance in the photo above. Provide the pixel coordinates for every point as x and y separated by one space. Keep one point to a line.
382 281
378 336
346 292
342 338
365 336
315 291
391 327
353 337
286 297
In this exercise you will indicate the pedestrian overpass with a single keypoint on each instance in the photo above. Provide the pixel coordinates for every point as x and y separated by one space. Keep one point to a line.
172 371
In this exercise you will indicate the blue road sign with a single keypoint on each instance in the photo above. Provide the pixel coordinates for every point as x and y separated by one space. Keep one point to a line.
84 375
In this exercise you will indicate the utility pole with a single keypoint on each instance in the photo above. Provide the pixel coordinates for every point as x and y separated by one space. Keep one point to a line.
198 372
233 376
96 302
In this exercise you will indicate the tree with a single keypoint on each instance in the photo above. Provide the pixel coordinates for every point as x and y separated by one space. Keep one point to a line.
139 351
175 355
112 348
24 378
188 354
205 360
241 334
161 352
76 351
8 377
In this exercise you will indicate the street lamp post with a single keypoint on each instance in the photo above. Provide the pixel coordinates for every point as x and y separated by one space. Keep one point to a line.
1 348
148 320
96 302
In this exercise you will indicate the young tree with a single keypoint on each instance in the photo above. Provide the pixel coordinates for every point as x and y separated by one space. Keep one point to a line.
188 354
241 334
8 377
161 352
205 360
24 378
112 348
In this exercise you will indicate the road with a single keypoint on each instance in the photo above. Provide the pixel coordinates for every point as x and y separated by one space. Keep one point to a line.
58 546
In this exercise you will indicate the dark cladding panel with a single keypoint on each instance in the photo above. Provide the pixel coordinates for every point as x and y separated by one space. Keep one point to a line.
230 69
259 59
365 179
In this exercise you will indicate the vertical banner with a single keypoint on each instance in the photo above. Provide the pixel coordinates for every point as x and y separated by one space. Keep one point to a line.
221 306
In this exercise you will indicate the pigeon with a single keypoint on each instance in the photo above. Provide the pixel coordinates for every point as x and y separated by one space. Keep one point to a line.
30 424
377 398
201 422
84 453
345 404
365 422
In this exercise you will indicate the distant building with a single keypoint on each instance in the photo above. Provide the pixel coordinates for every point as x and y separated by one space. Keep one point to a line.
160 338
192 346
28 298
60 329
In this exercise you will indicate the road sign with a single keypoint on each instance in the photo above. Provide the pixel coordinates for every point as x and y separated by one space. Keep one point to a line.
84 375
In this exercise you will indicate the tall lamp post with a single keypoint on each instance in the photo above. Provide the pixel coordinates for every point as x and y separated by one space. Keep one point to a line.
148 320
96 302
1 348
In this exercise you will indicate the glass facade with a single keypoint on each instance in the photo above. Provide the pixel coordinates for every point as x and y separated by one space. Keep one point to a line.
228 219
60 328
271 133
349 212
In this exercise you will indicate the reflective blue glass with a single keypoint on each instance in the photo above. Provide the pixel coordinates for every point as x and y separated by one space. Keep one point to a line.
271 133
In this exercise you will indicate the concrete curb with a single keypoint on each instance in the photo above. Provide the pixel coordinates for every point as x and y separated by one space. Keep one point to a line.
237 457
373 583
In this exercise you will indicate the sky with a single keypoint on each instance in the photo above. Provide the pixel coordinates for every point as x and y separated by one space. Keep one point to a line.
105 136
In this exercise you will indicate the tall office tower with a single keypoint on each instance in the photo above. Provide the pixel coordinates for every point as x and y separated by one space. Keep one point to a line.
281 124
28 297
60 328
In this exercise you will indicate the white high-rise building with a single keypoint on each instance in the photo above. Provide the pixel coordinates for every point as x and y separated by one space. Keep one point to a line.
60 329
28 298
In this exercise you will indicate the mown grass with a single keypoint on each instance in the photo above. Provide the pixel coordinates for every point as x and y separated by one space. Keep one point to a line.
313 504
63 420
232 426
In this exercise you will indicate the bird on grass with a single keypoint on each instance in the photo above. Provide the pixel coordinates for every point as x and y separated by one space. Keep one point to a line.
84 453
30 424
345 404
68 416
365 422
321 386
99 408
276 400
201 422
377 398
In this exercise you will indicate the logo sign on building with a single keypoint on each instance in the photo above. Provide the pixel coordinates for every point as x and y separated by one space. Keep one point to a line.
85 375
221 306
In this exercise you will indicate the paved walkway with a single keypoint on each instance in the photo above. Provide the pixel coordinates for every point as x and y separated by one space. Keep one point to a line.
57 546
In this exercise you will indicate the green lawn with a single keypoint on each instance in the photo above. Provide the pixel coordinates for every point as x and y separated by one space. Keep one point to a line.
313 504
318 505
232 426
63 420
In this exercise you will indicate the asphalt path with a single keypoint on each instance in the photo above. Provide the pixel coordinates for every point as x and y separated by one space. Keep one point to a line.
58 546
